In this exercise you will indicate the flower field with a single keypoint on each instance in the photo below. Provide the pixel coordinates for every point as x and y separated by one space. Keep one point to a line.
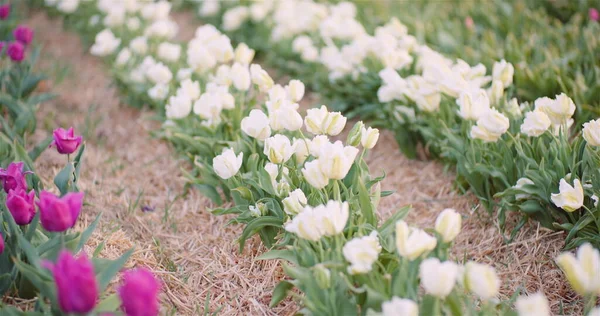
299 157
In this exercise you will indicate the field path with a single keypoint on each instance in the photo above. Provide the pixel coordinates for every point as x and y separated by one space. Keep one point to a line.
136 182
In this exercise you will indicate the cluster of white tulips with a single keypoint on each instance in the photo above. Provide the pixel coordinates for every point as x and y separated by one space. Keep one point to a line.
309 197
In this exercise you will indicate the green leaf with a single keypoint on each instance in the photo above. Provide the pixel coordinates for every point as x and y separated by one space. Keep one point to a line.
39 148
256 225
210 192
63 179
87 233
284 254
109 271
280 292
110 304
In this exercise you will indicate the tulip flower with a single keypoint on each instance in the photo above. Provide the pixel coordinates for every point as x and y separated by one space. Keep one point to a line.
227 164
23 34
1 244
295 202
314 176
139 293
369 137
278 149
362 252
570 198
438 278
533 305
594 14
260 77
21 205
503 71
13 177
16 51
559 110
448 224
4 11
59 214
411 243
244 54
65 141
240 75
482 280
336 160
76 284
295 90
591 132
256 125
490 126
535 123
399 306
583 271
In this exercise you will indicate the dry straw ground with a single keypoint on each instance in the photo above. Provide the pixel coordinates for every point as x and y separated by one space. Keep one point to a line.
193 252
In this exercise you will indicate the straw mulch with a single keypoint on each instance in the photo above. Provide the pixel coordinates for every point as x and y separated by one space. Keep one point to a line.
194 253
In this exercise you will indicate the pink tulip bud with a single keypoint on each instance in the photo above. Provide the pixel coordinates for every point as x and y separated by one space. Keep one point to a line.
4 11
12 177
16 52
76 284
139 293
65 140
1 244
469 23
23 34
594 14
20 205
59 214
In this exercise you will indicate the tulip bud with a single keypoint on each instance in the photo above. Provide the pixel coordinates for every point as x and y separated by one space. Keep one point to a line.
313 175
16 51
260 77
591 132
496 92
13 178
278 149
503 72
59 214
570 198
295 90
533 305
283 188
513 108
322 275
240 77
258 210
76 285
295 202
411 243
369 137
23 34
482 280
21 206
448 224
355 135
139 293
4 11
256 125
334 124
243 54
65 141
583 271
227 164
362 252
438 278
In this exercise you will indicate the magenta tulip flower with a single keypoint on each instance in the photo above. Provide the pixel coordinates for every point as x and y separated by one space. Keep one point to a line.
76 284
21 205
4 11
13 177
594 14
59 214
139 293
65 140
1 244
23 34
16 51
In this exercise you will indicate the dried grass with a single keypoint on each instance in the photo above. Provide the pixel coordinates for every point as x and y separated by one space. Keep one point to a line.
194 253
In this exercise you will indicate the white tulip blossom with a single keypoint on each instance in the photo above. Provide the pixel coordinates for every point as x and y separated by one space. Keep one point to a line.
369 137
591 132
158 92
240 76
490 126
559 110
411 243
321 121
438 278
335 160
105 44
133 24
67 6
482 280
190 88
235 17
503 71
313 223
448 224
260 77
278 149
179 106
362 252
159 74
301 149
519 185
583 271
399 307
313 175
295 202
227 164
139 45
169 52
473 104
209 8
569 198
256 125
535 124
533 305
244 54
284 115
123 57
295 90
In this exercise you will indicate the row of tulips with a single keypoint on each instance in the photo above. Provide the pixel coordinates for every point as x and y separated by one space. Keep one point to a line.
528 157
311 200
37 241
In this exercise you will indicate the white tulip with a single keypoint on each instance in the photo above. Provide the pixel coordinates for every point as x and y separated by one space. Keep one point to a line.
583 271
411 243
482 280
594 312
320 121
234 17
513 108
208 106
301 43
139 45
473 104
313 175
519 185
448 224
301 149
190 88
169 52
334 216
559 110
336 160
306 225
438 278
535 124
159 74
179 106
503 71
278 149
209 8
244 54
133 24
316 145
256 125
106 43
369 137
495 92
490 126
240 76
295 90
334 124
162 29
200 59
115 17
569 198
533 305
123 57
158 92
184 73
227 164
362 252
276 93
68 6
260 77
295 202
399 307
591 132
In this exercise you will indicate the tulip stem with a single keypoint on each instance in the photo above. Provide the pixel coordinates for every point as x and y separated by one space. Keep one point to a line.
62 240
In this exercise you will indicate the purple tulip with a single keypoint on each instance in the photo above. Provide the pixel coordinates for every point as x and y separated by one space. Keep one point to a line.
23 34
4 11
594 14
21 205
139 293
1 244
16 51
76 284
59 214
13 177
65 140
